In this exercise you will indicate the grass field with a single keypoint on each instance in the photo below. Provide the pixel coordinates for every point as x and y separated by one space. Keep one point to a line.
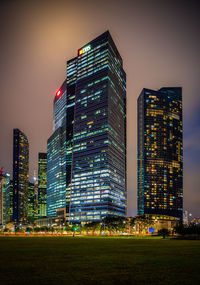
90 260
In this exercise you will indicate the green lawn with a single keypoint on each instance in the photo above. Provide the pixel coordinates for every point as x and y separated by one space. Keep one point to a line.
90 260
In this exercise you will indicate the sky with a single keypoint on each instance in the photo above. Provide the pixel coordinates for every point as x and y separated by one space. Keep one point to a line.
159 44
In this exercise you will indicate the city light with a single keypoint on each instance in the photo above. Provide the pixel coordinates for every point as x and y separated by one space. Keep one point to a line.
84 50
58 93
80 52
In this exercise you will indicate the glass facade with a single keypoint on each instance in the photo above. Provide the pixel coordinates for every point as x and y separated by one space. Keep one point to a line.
20 176
42 185
56 156
31 203
98 186
160 152
92 135
10 202
70 104
5 198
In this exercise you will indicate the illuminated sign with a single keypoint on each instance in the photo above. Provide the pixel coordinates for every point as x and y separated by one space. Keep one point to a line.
58 93
84 50
151 230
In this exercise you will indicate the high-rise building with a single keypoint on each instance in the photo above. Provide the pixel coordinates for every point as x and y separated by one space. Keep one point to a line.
5 198
35 182
160 152
90 136
10 202
56 156
42 185
31 203
20 176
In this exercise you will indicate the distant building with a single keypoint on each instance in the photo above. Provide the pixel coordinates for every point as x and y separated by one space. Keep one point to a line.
151 224
86 155
20 176
31 203
160 152
186 218
10 204
42 185
5 198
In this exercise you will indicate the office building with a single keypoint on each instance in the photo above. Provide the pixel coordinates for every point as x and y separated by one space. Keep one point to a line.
42 185
20 176
56 156
10 202
5 198
89 137
31 203
160 152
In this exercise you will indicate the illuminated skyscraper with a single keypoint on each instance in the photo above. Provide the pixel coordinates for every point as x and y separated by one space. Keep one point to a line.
20 176
31 203
5 198
42 185
56 156
10 211
93 134
160 152
98 186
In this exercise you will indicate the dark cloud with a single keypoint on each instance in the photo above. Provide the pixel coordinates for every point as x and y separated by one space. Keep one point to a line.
159 44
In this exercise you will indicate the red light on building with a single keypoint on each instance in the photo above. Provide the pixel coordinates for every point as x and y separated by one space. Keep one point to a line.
80 52
58 93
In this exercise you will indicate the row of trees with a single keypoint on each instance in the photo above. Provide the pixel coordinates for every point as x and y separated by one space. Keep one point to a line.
112 225
109 225
192 229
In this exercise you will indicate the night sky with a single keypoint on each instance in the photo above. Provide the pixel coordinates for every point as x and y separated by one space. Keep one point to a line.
159 44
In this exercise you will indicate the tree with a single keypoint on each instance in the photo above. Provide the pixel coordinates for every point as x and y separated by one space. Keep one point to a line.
164 232
37 229
94 226
68 228
29 229
132 224
19 230
192 229
75 228
114 224
143 222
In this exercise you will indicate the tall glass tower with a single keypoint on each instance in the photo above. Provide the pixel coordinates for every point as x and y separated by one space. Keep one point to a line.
31 203
5 198
56 156
98 186
42 185
160 152
94 122
20 176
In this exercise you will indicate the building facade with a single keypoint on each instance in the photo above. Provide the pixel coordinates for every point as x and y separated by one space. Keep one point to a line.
5 198
56 156
31 203
98 186
160 152
10 209
20 176
42 185
95 134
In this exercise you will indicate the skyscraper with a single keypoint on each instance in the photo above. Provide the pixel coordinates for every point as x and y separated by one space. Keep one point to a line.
93 134
56 156
42 185
31 203
160 152
20 176
5 198
10 211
